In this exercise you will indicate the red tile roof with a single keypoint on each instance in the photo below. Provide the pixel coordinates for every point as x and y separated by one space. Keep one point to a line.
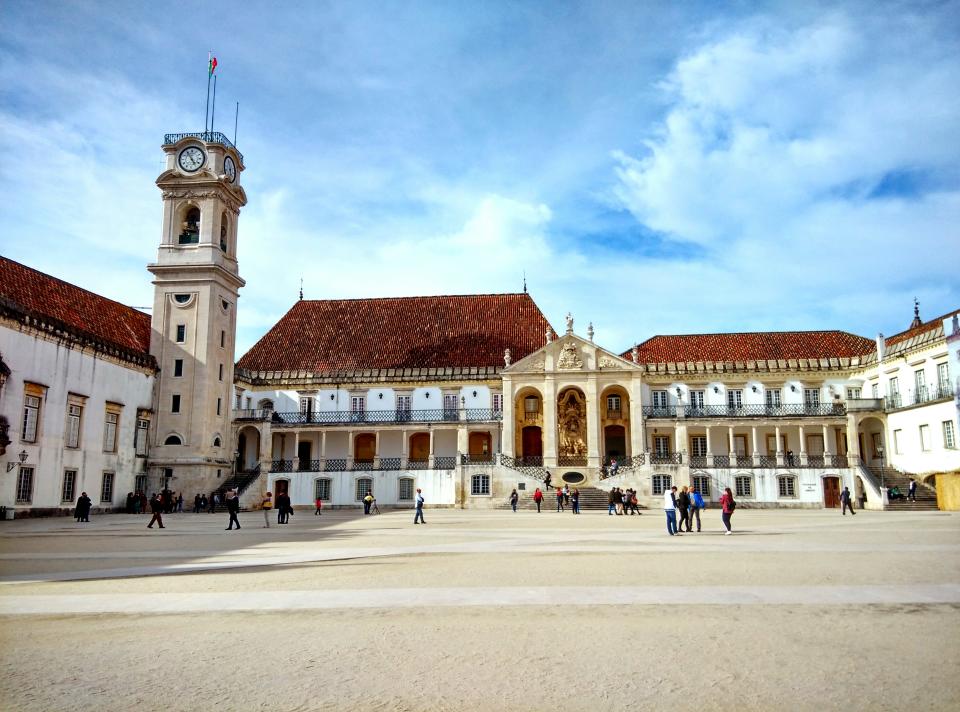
756 346
926 326
64 306
403 332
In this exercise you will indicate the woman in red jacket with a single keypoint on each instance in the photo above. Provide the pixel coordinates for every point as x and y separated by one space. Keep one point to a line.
727 505
538 498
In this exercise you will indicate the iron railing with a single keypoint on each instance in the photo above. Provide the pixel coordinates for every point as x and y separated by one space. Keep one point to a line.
477 459
205 136
657 411
768 461
418 464
721 461
571 461
525 465
335 464
614 414
666 458
791 410
251 414
390 463
924 394
698 461
281 466
436 415
839 461
443 462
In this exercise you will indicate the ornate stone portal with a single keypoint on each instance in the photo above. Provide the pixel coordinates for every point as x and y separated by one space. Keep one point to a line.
572 424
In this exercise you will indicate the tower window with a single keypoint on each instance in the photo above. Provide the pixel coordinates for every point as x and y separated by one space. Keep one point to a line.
178 368
190 230
219 405
223 338
181 333
221 371
173 440
182 298
175 404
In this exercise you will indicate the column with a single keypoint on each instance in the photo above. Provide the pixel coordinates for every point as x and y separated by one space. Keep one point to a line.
376 448
733 454
508 442
550 422
349 449
637 425
756 445
431 449
709 448
780 453
296 451
463 442
404 448
827 448
803 446
853 442
593 423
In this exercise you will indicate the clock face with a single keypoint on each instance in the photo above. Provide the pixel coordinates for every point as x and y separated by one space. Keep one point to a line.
230 169
191 159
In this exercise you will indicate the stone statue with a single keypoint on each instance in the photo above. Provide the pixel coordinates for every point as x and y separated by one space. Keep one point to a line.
569 323
571 417
549 334
635 354
507 358
590 331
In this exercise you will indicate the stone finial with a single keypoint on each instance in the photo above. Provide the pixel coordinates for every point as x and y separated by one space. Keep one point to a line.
507 359
916 314
549 334
569 323
635 354
590 331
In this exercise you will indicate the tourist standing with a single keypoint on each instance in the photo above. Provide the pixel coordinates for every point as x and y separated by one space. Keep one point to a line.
83 507
266 505
538 498
180 503
611 507
575 500
319 505
196 504
156 506
419 513
696 504
727 505
559 499
233 507
634 509
283 508
683 506
514 498
618 500
846 499
911 490
670 508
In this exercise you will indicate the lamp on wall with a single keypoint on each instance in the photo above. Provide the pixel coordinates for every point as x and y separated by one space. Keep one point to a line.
678 391
380 396
22 457
793 388
474 394
753 388
332 396
716 389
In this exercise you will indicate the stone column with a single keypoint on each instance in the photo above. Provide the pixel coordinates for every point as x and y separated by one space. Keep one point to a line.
756 445
296 451
777 446
376 448
730 449
853 442
431 449
827 449
404 448
463 440
508 442
593 423
550 422
637 426
709 448
803 446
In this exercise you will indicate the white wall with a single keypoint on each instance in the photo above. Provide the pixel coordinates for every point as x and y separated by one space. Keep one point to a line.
438 487
69 370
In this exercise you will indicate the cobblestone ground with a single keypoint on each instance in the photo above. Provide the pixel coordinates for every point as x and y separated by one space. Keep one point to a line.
798 610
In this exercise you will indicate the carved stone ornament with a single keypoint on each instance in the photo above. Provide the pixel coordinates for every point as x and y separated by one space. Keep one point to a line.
570 357
607 362
224 197
537 364
506 357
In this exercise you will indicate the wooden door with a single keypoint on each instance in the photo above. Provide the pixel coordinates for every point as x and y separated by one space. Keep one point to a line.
281 487
303 453
615 440
420 446
365 447
532 441
831 492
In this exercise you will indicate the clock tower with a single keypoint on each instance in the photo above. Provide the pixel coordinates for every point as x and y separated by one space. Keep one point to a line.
197 284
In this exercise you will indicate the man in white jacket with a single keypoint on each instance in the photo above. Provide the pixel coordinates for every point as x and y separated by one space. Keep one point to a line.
670 507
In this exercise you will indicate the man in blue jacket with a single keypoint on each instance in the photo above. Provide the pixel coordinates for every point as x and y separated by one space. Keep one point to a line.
696 504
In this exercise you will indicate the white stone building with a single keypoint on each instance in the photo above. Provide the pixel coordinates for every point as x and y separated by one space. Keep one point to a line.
465 397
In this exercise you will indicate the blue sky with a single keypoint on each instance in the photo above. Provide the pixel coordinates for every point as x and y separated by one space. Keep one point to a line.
652 167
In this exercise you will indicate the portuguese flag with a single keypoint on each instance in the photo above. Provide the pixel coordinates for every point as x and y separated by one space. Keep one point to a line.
212 66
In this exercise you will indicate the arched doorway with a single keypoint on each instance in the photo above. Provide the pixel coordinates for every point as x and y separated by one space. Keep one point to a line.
419 453
531 445
615 442
480 447
872 442
248 449
615 423
571 427
364 448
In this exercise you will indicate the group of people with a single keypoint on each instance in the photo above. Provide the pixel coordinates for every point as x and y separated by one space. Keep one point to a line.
564 496
207 503
689 502
894 493
621 501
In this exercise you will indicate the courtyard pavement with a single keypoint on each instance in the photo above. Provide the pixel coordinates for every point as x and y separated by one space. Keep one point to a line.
482 610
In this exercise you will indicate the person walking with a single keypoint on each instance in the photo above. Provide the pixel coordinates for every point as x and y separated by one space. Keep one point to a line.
634 508
696 504
727 505
266 505
575 500
911 490
611 507
670 508
196 504
233 507
419 512
559 500
618 500
683 506
82 511
538 498
846 499
514 498
156 506
319 505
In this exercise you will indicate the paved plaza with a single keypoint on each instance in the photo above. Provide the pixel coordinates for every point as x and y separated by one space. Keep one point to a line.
482 610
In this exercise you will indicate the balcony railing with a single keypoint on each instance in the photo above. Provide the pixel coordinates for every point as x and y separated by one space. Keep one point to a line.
437 415
792 410
531 416
251 414
444 463
205 136
572 460
924 394
666 458
281 466
481 459
614 414
345 464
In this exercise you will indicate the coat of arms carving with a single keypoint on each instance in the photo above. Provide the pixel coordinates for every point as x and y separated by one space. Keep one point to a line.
570 357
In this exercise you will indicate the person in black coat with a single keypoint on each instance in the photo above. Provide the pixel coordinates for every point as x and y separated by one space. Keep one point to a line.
233 507
683 508
156 506
83 508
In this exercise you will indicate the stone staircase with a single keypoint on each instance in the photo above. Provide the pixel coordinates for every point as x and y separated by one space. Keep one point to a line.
926 495
241 482
591 499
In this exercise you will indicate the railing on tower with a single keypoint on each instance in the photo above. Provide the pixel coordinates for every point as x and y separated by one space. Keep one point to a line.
205 136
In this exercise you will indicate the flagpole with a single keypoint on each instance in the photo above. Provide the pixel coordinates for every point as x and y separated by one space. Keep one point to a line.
206 116
213 110
236 118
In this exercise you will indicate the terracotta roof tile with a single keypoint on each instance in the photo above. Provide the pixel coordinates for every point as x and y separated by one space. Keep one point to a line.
401 333
754 346
87 315
931 325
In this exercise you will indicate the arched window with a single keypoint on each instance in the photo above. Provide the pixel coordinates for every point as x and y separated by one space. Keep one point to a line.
190 227
173 440
743 486
224 229
265 404
216 441
364 487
